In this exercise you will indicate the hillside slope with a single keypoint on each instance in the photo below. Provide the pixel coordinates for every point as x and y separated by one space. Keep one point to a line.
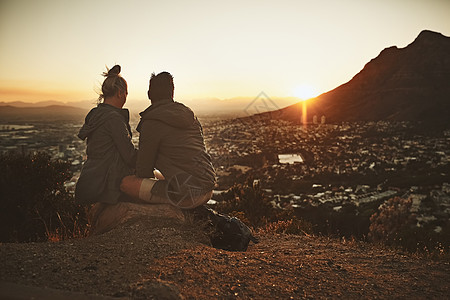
148 258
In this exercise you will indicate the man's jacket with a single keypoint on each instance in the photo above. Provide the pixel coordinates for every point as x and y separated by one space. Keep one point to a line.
171 140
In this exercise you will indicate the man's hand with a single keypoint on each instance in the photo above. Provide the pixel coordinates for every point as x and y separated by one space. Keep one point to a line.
158 174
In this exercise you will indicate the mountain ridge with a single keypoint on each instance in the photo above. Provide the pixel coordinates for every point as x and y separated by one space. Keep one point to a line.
400 84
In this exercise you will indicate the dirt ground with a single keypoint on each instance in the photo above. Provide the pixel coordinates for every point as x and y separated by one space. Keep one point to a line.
155 258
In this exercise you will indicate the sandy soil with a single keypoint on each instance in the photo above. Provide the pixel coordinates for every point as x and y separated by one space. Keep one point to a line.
155 258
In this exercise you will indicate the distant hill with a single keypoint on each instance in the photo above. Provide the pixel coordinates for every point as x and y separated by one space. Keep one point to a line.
86 104
411 83
33 104
50 113
210 107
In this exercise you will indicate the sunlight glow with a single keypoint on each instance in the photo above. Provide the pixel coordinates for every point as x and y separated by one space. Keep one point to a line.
305 92
304 116
293 55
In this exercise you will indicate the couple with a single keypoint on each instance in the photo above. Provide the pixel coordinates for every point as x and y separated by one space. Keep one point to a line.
171 165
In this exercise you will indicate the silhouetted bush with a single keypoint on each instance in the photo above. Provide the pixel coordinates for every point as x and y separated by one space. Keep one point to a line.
248 198
35 205
249 203
425 241
395 225
349 221
393 217
290 226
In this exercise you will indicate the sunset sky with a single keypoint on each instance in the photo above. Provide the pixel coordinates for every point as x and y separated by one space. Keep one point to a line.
56 50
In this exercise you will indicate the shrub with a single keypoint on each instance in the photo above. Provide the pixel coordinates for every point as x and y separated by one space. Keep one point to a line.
35 205
290 226
425 241
395 225
248 202
248 199
393 217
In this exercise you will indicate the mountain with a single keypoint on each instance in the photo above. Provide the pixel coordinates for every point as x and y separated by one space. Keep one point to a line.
49 113
411 83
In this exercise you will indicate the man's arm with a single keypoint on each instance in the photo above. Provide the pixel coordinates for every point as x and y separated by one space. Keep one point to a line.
149 140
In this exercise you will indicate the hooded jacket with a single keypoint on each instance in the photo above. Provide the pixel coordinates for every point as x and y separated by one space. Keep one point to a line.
171 140
110 155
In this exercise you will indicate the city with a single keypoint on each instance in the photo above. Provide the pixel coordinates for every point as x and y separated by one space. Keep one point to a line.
299 166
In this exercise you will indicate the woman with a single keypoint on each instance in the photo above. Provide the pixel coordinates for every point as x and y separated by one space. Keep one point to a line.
110 152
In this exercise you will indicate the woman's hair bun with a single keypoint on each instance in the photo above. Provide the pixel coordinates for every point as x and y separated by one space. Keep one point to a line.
114 71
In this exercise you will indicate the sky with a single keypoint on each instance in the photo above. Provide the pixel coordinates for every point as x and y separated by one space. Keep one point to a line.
57 50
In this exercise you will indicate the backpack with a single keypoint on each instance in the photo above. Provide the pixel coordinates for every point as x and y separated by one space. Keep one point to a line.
227 233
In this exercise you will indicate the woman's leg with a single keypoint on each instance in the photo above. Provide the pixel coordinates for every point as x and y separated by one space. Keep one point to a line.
131 185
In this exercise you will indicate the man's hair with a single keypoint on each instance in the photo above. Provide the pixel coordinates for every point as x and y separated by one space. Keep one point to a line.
161 86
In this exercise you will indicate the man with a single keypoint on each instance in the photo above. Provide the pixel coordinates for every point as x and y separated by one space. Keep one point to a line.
170 141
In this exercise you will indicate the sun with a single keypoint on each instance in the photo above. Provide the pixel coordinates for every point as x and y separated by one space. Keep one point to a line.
305 92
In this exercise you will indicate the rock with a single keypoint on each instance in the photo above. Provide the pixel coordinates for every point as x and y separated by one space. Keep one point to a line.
105 217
